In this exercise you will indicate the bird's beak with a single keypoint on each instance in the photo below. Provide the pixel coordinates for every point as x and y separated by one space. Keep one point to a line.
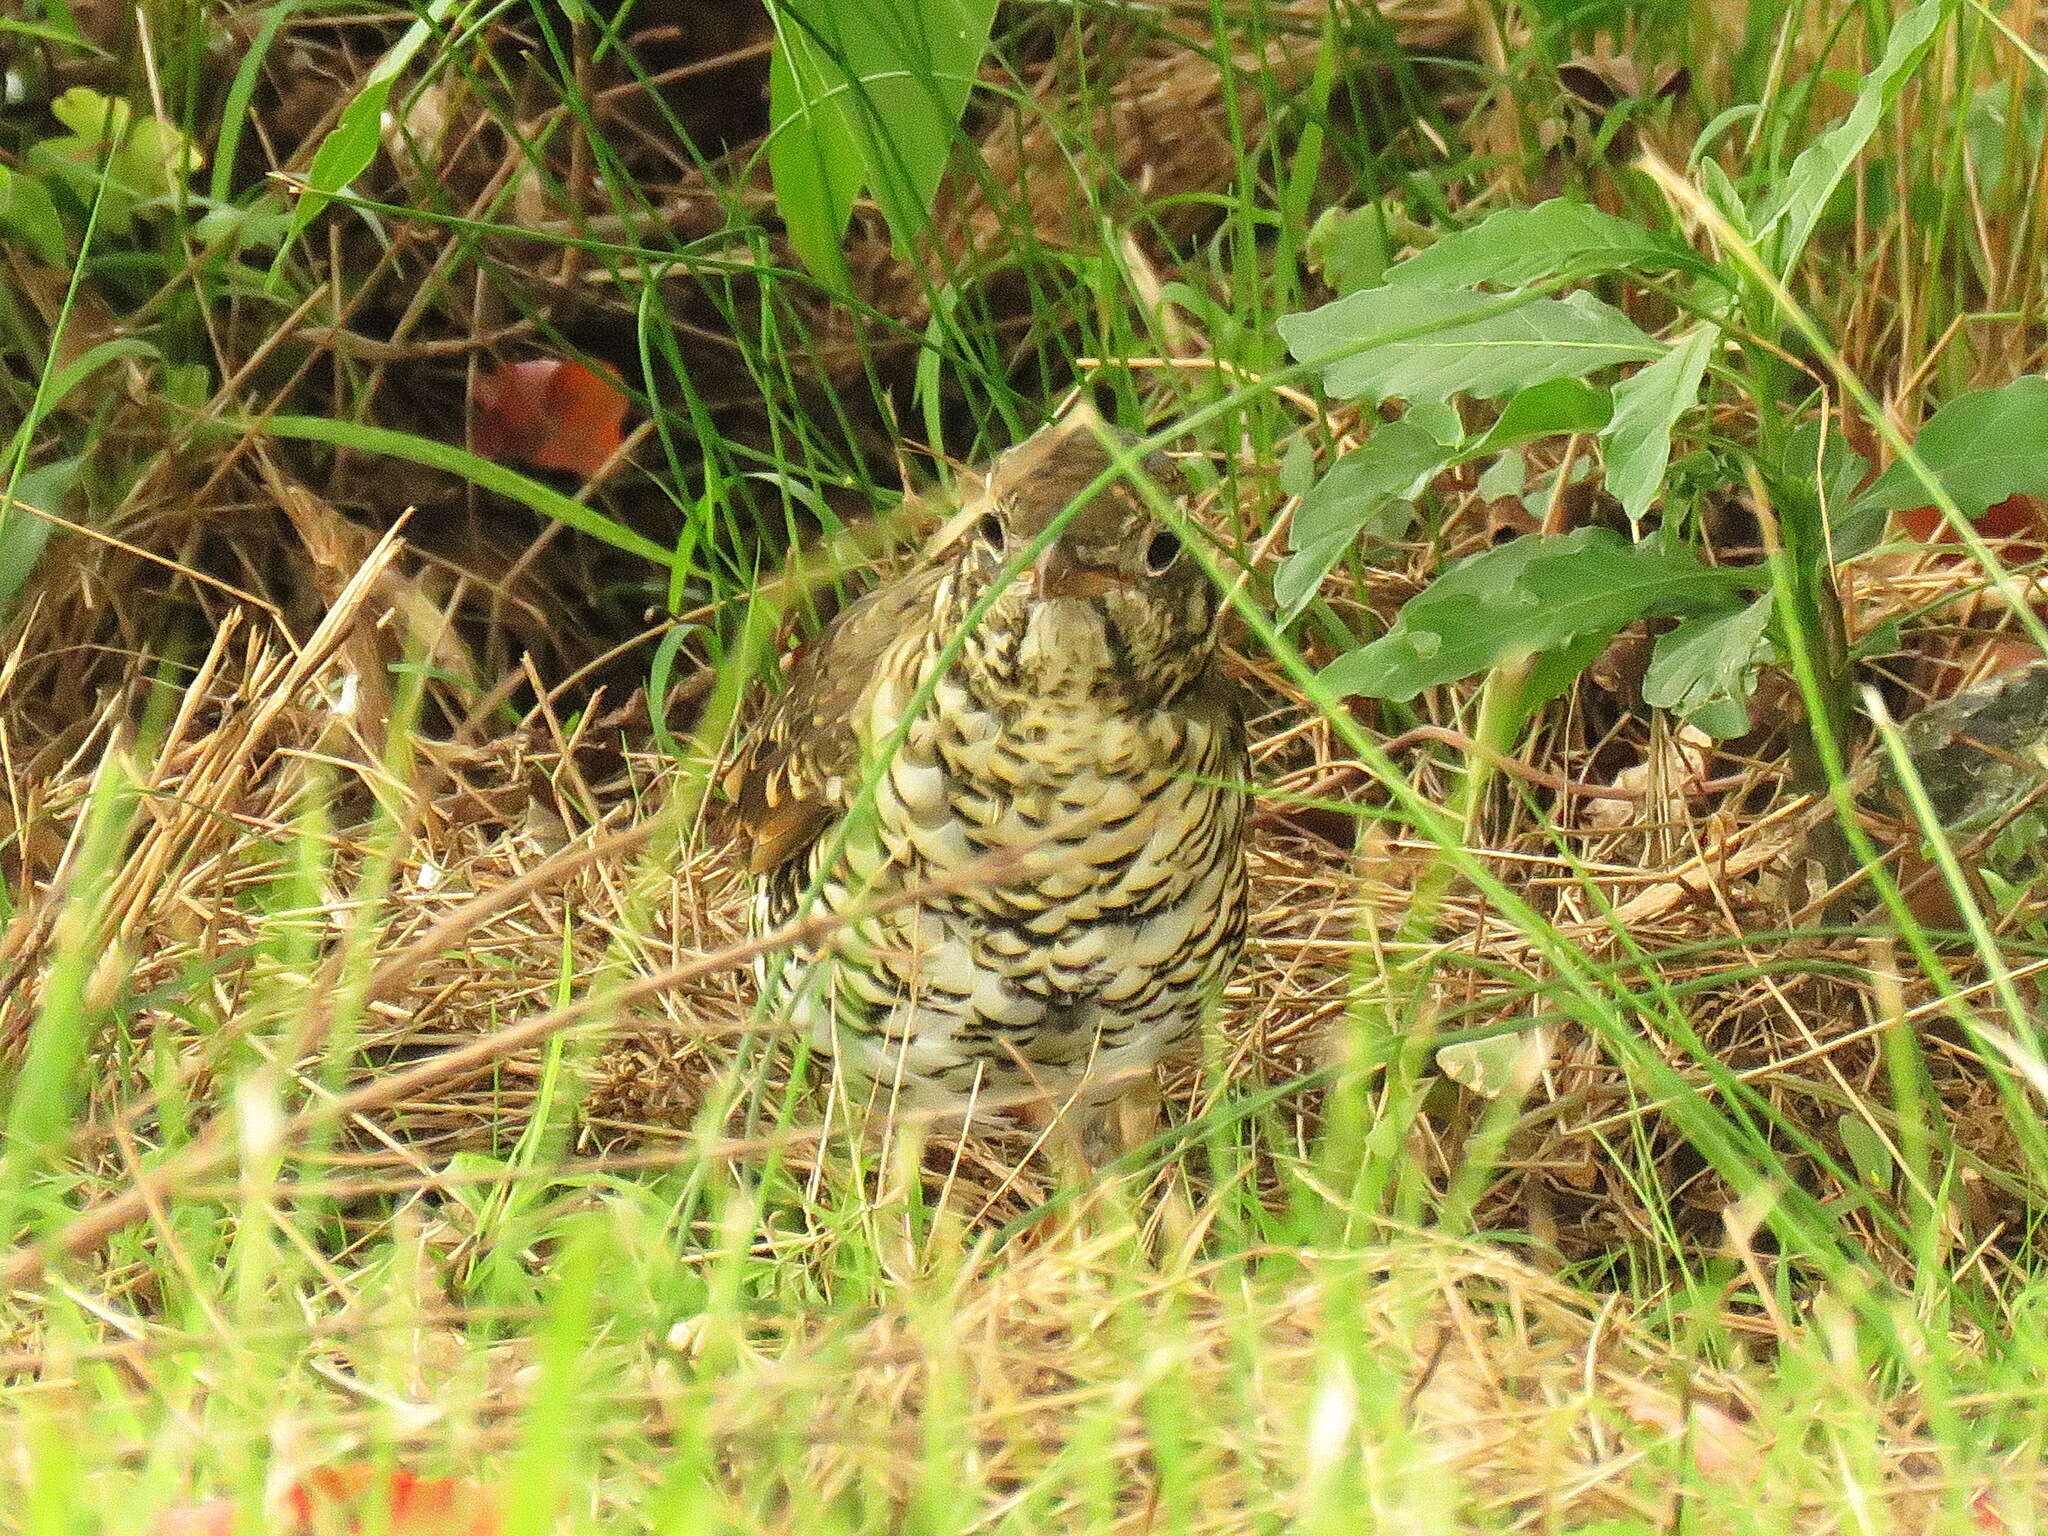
1055 575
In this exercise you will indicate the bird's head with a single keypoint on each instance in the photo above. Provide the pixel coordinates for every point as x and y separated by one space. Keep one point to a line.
1112 606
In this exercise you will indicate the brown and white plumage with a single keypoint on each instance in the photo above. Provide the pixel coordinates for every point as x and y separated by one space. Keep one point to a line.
1080 747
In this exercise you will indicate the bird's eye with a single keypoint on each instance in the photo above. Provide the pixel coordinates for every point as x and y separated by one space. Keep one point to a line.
1162 552
991 529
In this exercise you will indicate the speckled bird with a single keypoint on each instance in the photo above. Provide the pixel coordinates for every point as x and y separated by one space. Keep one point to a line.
1052 860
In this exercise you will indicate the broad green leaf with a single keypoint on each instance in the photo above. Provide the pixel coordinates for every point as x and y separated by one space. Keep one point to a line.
351 144
1705 669
1795 212
1518 247
1353 499
1524 599
1637 443
1498 1064
813 155
1867 1150
1982 447
1554 409
877 89
27 213
1297 467
459 461
1555 671
1349 247
1427 344
23 534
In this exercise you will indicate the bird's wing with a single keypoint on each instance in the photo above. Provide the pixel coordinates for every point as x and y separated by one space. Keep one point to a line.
802 766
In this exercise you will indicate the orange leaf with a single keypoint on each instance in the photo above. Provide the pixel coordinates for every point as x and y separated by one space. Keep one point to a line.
356 1497
216 1517
402 1503
549 413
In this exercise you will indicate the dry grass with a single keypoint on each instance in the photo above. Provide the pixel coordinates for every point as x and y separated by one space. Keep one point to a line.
398 927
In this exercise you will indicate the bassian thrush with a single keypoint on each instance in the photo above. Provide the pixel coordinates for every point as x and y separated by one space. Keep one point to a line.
1052 860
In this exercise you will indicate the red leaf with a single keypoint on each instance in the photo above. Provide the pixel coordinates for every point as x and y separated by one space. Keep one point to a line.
549 413
2016 515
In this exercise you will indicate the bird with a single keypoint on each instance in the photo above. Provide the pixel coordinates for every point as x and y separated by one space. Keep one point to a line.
1018 774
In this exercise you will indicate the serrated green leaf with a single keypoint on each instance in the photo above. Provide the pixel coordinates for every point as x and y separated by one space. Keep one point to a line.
1353 499
1426 345
1704 669
145 156
1519 247
1982 447
1647 405
27 213
1795 212
1554 409
1524 599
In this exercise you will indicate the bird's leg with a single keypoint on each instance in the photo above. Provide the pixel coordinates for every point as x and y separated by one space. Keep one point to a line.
1062 1133
1139 1112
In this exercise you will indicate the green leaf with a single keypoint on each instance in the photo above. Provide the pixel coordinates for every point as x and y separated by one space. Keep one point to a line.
458 461
813 156
1822 474
59 385
1795 212
1353 498
1349 247
351 144
1982 447
1426 344
1518 247
1523 599
1554 409
27 211
1297 467
1498 1064
23 534
1705 668
146 156
1647 405
1867 1150
868 94
48 32
264 223
111 157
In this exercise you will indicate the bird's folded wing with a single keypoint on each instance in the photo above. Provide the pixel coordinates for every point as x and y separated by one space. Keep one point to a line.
802 767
